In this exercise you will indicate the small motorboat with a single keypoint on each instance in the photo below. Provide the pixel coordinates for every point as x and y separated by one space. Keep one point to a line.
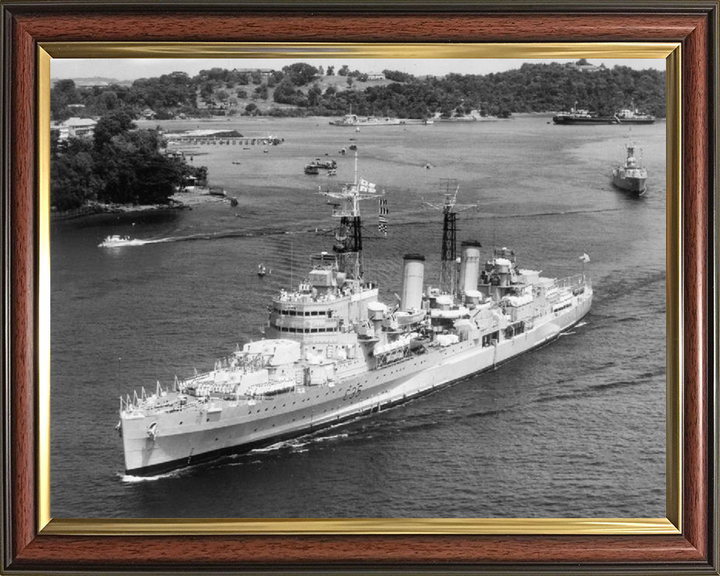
116 240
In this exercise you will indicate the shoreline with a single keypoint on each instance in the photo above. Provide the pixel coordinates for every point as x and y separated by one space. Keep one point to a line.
178 201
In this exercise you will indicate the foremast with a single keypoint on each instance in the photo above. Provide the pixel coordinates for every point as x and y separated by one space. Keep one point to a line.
348 233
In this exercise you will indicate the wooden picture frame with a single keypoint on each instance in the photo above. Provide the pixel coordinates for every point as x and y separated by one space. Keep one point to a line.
687 542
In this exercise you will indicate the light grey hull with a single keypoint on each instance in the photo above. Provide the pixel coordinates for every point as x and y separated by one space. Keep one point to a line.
630 184
209 430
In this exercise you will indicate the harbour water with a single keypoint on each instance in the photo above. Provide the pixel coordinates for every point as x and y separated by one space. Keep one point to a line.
575 429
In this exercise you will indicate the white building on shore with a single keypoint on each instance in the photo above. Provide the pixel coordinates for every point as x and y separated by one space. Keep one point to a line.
75 128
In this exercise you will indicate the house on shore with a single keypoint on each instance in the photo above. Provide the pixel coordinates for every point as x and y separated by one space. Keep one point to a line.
75 128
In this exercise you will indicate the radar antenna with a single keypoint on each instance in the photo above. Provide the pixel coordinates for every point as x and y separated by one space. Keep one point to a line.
448 256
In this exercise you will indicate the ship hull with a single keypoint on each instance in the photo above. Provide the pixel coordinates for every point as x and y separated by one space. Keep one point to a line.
634 185
187 438
636 120
591 120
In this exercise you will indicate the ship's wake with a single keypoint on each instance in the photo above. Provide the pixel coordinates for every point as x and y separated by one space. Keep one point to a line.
214 236
298 444
130 479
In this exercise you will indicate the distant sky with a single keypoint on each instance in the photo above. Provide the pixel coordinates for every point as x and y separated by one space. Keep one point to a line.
131 69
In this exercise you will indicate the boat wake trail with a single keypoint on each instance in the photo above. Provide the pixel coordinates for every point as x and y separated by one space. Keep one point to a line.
215 236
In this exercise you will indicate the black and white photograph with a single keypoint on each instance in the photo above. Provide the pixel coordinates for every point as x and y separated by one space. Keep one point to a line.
359 288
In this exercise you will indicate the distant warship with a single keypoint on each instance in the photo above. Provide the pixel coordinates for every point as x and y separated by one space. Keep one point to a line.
630 176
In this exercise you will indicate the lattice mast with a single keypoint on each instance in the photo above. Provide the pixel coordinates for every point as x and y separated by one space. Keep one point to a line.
348 234
448 254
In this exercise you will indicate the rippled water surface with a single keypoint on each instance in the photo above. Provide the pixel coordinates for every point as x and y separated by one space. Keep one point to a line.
575 429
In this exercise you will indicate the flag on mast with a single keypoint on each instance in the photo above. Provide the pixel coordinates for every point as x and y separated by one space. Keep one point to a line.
382 216
366 186
584 258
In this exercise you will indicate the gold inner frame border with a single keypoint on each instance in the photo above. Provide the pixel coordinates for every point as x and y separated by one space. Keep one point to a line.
670 51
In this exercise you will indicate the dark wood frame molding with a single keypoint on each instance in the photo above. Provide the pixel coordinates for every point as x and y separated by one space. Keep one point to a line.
693 23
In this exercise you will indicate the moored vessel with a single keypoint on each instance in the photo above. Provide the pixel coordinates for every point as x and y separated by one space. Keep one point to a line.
633 116
333 351
582 116
359 121
630 176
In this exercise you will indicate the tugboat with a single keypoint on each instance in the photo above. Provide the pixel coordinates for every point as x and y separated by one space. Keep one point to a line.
630 176
333 351
632 116
581 116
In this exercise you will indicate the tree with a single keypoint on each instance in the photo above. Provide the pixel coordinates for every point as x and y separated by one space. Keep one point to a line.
109 100
74 180
331 71
134 171
120 165
397 76
113 124
285 92
276 76
206 92
344 71
314 95
63 93
300 73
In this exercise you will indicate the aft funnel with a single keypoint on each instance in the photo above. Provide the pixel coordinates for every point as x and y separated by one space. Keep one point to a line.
413 276
469 265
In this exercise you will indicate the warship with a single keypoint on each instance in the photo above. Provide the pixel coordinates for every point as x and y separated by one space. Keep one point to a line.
630 176
333 351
